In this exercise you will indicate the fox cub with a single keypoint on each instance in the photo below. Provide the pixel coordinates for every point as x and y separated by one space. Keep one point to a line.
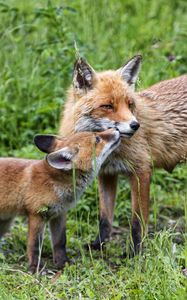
45 189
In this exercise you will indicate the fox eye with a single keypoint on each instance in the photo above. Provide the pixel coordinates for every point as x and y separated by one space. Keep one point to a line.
107 106
97 139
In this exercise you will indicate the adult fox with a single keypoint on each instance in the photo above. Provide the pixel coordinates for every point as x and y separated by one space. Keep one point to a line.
100 100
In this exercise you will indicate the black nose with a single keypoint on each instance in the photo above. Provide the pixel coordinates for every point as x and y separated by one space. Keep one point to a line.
134 125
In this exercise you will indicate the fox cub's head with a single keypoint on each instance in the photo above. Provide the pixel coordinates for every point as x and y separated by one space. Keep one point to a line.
83 151
103 100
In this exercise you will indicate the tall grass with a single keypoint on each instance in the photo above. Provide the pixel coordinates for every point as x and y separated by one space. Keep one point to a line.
37 41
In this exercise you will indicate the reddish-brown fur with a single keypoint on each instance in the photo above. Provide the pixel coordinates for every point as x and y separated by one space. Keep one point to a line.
43 189
161 140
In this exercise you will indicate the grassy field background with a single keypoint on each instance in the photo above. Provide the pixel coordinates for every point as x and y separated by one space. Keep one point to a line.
37 53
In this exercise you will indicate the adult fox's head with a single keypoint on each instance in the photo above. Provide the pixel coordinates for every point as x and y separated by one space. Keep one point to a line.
101 100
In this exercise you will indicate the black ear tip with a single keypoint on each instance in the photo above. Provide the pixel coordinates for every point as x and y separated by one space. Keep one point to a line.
135 60
36 138
44 142
79 62
138 57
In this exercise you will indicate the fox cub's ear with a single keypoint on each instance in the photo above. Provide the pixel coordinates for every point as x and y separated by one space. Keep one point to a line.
83 75
45 142
130 70
61 159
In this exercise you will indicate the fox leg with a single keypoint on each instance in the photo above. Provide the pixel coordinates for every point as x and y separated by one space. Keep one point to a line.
107 192
4 226
140 189
34 244
58 237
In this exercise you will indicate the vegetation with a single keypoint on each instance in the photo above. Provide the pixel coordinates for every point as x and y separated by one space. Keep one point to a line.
37 42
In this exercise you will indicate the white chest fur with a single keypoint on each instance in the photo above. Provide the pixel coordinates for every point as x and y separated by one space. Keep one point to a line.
115 166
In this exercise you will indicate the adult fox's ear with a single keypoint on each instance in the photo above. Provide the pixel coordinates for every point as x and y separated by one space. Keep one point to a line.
83 75
61 159
129 72
45 142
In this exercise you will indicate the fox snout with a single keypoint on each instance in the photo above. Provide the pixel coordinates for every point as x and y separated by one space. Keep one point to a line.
127 129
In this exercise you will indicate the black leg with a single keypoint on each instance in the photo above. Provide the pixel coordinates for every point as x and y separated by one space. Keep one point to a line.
58 236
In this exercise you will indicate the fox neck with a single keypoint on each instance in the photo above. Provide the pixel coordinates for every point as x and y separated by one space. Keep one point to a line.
70 184
150 117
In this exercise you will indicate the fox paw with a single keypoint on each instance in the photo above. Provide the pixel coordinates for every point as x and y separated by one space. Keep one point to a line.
60 264
35 269
95 246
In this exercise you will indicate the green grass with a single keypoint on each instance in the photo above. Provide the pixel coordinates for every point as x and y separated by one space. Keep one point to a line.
37 41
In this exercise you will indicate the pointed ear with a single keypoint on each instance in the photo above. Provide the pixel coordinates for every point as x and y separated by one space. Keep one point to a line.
83 75
61 159
45 142
130 70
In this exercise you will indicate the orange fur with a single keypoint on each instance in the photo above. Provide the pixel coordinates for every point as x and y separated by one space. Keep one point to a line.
44 189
